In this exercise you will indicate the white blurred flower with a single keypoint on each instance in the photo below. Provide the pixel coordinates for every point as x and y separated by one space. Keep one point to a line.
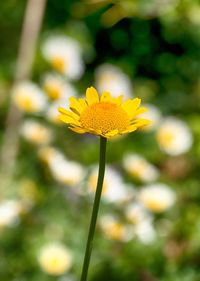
64 53
55 259
145 232
65 171
35 132
10 211
141 219
138 167
57 88
114 189
154 115
28 97
136 213
174 137
114 229
157 197
47 153
112 79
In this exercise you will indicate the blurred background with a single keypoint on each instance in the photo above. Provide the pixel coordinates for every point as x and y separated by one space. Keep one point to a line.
149 221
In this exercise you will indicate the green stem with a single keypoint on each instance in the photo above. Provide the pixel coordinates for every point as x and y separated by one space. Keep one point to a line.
88 251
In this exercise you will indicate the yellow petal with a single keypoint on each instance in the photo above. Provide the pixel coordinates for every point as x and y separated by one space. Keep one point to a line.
83 103
95 132
118 100
130 106
111 133
92 96
68 113
105 97
140 110
75 105
77 130
130 129
141 122
68 119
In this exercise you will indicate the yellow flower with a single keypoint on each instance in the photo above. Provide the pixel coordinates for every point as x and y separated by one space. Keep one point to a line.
104 116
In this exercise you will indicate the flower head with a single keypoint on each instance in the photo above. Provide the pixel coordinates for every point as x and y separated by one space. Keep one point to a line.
114 189
64 54
65 171
55 259
104 116
35 132
157 197
9 212
174 136
57 88
111 78
114 229
138 167
28 97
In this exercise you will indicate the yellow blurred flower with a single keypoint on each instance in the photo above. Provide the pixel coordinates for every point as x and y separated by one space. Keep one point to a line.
114 229
55 259
104 116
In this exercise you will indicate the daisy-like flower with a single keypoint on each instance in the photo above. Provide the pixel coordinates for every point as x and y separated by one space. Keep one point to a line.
114 189
114 229
157 197
64 54
138 167
65 171
112 79
174 137
141 219
136 213
104 116
57 88
28 97
55 258
35 132
10 211
145 232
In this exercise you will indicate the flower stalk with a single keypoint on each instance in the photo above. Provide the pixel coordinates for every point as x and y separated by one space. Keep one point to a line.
89 245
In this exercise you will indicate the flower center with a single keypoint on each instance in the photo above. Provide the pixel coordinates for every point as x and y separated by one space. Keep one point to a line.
53 90
165 138
104 116
59 63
